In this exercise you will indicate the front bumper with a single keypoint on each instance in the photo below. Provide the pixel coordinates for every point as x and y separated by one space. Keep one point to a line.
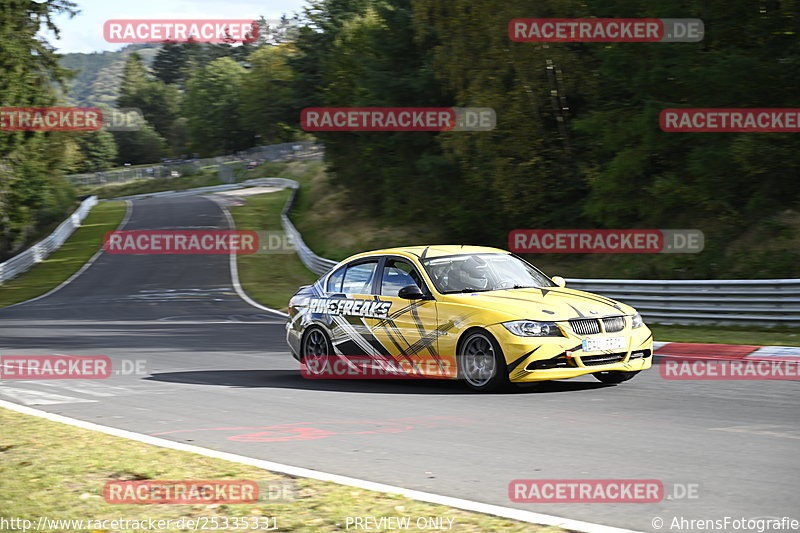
546 358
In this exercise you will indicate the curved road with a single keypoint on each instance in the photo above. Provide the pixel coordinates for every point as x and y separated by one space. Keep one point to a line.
215 362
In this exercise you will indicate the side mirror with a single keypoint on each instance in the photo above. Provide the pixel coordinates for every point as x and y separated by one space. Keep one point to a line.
411 292
558 280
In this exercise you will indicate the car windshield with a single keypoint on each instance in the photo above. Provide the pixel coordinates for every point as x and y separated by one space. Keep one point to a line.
483 272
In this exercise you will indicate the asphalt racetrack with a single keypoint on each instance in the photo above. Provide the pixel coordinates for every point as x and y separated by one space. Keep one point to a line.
220 376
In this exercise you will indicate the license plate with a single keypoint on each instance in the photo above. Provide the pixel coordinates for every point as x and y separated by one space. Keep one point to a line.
608 343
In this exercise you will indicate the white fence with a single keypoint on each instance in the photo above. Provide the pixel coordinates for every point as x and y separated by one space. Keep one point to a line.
39 251
273 152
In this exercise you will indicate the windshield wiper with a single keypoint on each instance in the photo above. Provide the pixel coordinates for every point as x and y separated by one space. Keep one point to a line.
524 287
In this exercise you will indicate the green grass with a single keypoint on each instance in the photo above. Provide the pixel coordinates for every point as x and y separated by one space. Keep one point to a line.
68 259
59 471
333 224
727 335
143 186
270 279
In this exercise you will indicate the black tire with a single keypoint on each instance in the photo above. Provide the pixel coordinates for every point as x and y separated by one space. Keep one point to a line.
615 376
481 363
315 350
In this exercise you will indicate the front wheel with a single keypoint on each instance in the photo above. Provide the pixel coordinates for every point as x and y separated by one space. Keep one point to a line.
614 376
481 363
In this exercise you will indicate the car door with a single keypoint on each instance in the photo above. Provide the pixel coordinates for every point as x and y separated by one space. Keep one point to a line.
410 331
352 293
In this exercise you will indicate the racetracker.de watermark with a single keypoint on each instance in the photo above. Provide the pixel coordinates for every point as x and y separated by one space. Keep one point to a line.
607 241
70 119
123 119
378 367
50 118
606 30
730 120
198 491
398 119
586 490
181 31
68 367
691 369
197 242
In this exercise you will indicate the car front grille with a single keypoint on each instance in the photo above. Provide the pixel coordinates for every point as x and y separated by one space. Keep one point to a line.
591 326
585 326
614 323
604 359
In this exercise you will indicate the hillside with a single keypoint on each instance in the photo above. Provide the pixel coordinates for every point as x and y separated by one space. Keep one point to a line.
98 74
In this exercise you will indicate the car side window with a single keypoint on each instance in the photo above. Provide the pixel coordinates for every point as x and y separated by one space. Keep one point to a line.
398 274
335 280
358 278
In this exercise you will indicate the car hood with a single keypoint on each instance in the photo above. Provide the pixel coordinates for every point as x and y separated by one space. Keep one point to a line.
547 304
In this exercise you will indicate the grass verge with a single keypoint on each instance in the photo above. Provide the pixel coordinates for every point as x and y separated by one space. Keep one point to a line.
59 471
333 224
270 279
727 335
68 259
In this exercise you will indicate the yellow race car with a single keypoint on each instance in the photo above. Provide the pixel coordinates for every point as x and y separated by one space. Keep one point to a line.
474 313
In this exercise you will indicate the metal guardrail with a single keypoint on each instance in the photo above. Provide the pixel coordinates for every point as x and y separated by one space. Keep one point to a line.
39 251
316 264
767 302
762 302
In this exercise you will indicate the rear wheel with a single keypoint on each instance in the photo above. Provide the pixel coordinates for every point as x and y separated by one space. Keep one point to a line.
614 376
481 363
316 350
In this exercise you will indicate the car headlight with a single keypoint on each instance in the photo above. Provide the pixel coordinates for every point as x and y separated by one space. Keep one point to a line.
532 328
637 321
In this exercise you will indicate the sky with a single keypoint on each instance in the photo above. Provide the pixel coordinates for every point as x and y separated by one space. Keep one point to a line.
84 32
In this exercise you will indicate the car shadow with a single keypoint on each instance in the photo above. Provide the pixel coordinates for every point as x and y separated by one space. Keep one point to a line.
291 379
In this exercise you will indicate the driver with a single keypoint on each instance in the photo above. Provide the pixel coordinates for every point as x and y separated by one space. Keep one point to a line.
472 273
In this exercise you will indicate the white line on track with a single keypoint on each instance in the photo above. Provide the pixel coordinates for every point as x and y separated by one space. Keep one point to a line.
35 397
467 505
235 272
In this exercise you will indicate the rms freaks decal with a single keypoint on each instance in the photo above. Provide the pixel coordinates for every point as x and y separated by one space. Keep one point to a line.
350 306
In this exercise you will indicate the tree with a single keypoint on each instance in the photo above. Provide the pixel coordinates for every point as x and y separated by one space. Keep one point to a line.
135 81
140 146
159 102
170 63
266 95
99 150
212 109
30 190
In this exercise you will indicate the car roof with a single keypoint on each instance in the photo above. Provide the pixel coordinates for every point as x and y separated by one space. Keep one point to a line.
436 250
